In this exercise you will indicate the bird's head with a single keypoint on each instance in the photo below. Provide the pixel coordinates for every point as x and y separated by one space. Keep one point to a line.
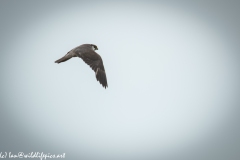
94 47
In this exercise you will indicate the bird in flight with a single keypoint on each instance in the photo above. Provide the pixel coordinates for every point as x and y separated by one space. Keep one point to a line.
89 56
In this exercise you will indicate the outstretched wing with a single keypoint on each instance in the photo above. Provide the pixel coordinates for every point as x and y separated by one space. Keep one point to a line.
94 60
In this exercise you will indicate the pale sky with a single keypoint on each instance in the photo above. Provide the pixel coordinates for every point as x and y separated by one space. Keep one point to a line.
172 70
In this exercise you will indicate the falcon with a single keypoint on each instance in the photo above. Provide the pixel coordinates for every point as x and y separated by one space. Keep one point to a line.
90 57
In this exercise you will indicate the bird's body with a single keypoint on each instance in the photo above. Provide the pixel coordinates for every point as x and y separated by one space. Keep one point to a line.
87 53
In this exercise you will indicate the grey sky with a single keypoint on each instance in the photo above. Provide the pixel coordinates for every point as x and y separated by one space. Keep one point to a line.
172 70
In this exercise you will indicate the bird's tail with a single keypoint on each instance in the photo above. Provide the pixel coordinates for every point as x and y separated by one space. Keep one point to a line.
63 59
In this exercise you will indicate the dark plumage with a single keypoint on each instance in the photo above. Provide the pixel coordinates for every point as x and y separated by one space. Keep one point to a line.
89 56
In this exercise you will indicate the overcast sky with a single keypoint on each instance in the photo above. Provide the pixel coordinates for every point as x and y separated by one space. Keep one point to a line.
172 71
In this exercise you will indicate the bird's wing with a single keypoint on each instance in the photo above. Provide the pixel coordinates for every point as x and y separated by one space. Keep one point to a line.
94 60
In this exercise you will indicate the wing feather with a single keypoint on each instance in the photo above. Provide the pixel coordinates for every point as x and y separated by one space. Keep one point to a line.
94 60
